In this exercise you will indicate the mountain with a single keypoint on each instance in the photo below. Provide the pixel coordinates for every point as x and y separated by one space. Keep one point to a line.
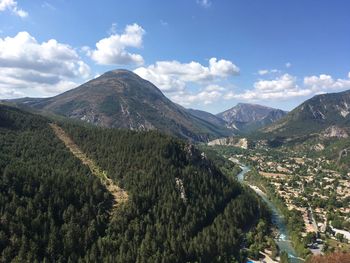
55 207
122 99
328 114
249 117
211 118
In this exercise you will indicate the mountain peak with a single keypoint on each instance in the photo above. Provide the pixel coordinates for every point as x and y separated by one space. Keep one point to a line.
247 116
122 99
245 104
120 74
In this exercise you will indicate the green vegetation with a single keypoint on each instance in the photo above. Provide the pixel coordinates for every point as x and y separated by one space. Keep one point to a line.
68 107
110 106
294 219
226 167
284 257
312 116
206 225
52 209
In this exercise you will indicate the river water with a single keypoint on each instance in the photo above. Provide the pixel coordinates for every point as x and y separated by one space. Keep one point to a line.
282 239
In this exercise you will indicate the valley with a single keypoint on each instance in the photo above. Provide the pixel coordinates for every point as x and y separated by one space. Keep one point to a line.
170 193
311 191
191 131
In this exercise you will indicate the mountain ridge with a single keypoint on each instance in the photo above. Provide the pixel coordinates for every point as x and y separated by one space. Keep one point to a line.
122 99
314 116
248 117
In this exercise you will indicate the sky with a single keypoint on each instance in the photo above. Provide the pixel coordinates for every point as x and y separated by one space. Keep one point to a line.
203 54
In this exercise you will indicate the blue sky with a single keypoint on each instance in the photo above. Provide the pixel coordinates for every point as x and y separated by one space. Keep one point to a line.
202 54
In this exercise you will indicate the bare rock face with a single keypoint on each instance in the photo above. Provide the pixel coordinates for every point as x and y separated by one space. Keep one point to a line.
334 131
318 147
231 141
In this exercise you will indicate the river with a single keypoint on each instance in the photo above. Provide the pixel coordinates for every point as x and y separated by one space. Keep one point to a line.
282 239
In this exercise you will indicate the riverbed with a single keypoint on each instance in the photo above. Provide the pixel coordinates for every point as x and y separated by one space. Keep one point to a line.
282 239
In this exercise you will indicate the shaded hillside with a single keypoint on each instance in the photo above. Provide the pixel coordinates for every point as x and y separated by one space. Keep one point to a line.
211 118
314 116
121 99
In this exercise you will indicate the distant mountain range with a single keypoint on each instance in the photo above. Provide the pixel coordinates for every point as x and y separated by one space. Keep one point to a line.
327 114
249 117
121 99
208 117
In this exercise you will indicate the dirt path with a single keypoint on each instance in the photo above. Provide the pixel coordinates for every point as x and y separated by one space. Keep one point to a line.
119 195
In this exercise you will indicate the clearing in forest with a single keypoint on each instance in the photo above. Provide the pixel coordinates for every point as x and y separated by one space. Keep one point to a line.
119 195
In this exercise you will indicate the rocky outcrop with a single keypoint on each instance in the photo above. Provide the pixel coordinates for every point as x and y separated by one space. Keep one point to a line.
231 141
334 132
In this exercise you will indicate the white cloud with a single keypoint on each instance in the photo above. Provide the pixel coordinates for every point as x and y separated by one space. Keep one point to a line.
284 82
113 29
204 3
13 7
285 87
113 49
263 72
326 83
222 68
288 65
208 95
6 93
49 67
282 87
172 76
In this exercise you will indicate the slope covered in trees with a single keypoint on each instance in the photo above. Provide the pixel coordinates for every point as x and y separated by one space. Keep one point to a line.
180 208
51 208
160 223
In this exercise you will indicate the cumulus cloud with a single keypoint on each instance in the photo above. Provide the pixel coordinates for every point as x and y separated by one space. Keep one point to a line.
49 67
285 87
208 95
282 87
13 7
284 82
326 83
112 50
172 76
204 3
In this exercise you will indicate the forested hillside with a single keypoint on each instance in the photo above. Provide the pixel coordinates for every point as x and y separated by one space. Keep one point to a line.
181 208
51 208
